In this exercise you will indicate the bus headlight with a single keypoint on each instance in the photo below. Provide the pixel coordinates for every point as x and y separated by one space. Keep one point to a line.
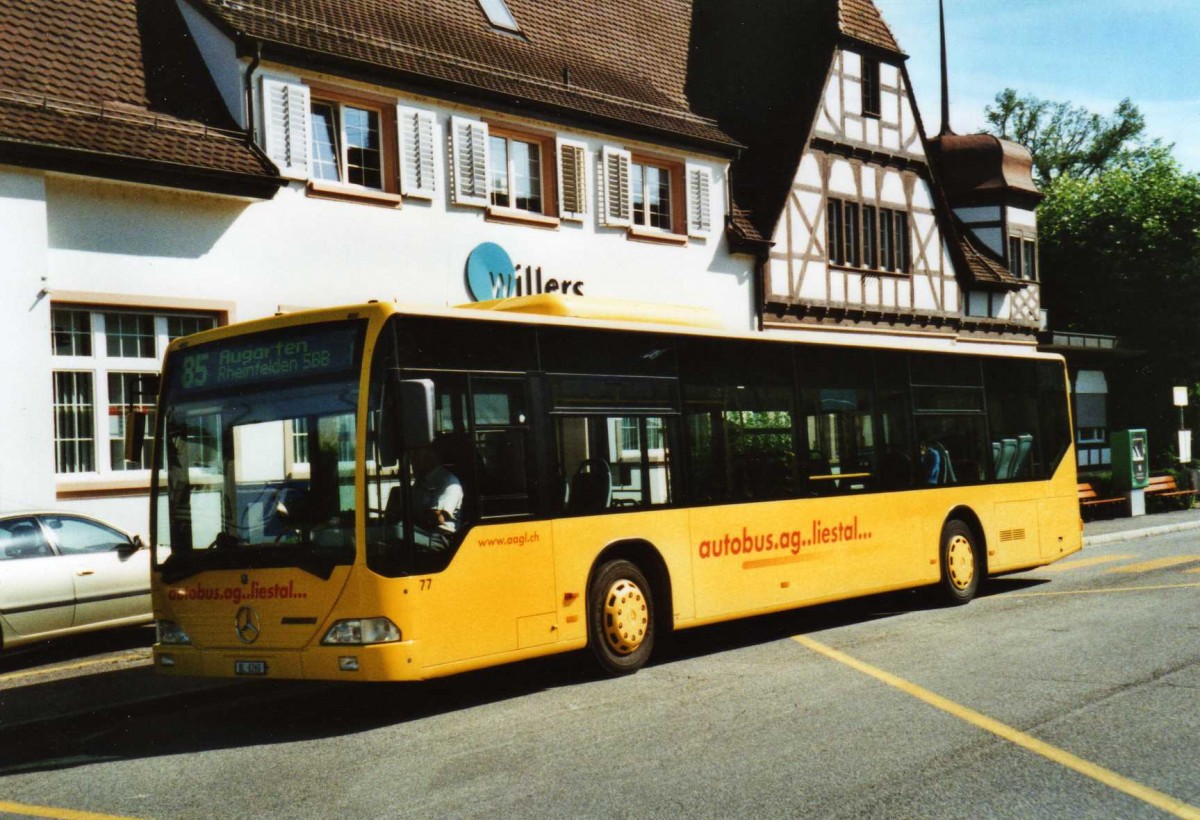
170 632
360 631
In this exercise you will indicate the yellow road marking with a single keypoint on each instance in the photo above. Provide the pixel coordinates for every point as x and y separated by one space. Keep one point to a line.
70 667
1163 802
57 814
1158 563
1146 588
1086 562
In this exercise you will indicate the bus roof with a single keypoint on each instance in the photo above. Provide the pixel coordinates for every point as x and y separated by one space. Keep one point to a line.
628 315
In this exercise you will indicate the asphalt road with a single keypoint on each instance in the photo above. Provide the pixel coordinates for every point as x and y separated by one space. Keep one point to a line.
1072 691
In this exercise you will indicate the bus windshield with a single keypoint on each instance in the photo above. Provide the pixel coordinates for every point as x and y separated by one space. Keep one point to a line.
257 439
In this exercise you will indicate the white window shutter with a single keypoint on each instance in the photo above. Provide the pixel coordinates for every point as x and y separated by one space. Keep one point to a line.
572 175
699 201
416 152
286 116
617 206
468 159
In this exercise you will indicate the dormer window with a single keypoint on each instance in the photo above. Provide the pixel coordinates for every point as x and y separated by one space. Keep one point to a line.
499 15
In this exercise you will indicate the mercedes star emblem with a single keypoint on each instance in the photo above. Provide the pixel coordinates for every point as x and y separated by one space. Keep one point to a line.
246 624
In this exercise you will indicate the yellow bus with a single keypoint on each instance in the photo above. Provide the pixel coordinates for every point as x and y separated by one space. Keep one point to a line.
383 493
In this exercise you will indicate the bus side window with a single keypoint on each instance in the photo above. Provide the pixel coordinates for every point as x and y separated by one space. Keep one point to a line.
609 462
950 417
836 399
740 422
501 431
1012 408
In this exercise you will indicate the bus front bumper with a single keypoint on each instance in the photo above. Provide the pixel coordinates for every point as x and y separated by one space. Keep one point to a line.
378 662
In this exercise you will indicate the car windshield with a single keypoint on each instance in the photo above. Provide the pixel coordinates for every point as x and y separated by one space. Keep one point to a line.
258 473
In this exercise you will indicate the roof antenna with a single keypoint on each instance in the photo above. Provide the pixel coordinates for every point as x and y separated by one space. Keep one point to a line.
945 76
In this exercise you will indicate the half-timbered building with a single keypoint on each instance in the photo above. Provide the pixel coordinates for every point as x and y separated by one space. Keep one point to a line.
857 222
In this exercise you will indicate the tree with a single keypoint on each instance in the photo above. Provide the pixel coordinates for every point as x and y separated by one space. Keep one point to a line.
1067 139
1120 254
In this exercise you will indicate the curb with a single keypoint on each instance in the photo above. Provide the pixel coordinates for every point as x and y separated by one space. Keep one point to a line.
1142 532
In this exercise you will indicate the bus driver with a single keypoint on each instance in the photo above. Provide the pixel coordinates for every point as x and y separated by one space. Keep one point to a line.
437 500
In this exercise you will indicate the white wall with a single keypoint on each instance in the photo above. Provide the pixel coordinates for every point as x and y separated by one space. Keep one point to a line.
26 408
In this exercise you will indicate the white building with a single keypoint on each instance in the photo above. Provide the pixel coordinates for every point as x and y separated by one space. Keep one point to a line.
133 210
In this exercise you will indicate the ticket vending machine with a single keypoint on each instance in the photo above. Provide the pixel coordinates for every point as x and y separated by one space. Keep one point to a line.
1131 467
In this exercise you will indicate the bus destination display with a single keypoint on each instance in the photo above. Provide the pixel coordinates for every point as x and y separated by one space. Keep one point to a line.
244 361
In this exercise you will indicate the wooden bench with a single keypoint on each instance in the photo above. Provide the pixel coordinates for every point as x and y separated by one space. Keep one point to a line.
1089 498
1165 486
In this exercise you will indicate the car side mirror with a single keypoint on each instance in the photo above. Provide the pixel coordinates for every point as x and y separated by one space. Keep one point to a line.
135 543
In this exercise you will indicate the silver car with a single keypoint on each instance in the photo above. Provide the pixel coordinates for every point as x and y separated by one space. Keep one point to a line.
63 573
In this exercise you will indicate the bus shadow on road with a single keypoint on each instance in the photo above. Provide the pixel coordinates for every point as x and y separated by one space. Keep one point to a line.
226 714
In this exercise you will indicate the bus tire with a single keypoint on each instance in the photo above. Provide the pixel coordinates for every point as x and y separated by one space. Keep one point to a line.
620 618
961 563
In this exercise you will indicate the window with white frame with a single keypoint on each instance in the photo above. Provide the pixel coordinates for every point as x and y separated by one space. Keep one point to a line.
654 196
105 360
650 193
515 174
347 144
1022 257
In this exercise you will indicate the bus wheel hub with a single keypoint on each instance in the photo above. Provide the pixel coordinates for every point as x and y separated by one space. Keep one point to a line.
961 562
625 617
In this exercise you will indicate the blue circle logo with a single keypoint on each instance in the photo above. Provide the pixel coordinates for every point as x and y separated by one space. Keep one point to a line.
490 273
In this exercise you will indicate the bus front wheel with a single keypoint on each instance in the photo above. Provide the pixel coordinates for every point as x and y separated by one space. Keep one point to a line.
620 618
961 564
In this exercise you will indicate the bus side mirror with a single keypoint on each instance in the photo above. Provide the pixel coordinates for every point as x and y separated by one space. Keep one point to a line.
407 416
416 413
135 433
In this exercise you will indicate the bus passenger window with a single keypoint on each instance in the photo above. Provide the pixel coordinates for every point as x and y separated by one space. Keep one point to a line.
836 401
738 411
613 462
500 423
952 449
1012 408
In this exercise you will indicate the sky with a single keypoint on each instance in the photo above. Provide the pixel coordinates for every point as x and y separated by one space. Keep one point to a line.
1092 53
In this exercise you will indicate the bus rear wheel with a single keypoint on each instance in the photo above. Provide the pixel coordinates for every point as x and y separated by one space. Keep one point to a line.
620 618
962 566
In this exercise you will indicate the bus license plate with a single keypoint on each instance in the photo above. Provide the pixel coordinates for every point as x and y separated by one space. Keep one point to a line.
250 667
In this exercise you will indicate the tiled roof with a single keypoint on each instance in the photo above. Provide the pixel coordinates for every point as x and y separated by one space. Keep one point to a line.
984 267
116 84
743 232
119 131
626 66
862 21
